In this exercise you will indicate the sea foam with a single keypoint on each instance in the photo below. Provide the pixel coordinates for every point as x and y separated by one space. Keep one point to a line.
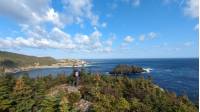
147 70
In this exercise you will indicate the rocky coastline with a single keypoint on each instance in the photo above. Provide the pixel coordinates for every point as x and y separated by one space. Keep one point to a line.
60 64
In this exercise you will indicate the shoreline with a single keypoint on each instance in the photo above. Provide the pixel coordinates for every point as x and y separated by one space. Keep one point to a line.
24 69
62 63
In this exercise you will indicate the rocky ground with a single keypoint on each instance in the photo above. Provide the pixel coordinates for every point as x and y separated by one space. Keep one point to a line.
82 105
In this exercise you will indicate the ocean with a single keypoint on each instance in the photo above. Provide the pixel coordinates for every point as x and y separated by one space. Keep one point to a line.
176 75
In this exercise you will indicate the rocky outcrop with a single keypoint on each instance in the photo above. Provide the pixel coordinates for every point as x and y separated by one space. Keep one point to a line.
83 105
126 69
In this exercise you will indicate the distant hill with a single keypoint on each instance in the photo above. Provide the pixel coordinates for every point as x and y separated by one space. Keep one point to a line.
21 60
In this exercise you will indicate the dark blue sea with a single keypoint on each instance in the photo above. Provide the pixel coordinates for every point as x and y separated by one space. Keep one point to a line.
176 75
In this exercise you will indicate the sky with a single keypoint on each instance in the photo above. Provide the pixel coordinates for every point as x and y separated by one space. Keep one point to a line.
100 28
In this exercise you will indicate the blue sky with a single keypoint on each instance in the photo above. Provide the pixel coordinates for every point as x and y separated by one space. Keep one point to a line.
100 28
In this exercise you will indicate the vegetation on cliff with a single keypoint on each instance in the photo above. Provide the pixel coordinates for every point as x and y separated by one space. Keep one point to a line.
23 60
126 69
98 93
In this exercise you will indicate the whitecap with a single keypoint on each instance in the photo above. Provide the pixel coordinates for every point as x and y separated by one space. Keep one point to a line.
147 70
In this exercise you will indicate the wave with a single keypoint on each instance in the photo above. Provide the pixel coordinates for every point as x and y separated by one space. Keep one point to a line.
147 70
168 70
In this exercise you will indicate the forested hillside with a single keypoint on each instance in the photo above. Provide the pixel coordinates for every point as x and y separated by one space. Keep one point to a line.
24 60
94 93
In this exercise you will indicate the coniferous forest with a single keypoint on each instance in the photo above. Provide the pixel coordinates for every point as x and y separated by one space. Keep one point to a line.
93 93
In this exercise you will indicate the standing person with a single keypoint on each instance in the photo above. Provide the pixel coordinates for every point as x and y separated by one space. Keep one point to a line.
74 74
77 76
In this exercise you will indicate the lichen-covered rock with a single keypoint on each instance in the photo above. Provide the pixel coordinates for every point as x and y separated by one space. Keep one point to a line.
83 105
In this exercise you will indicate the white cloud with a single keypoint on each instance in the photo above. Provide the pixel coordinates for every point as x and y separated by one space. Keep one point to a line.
40 11
37 37
34 31
148 36
107 49
177 49
32 17
24 11
128 39
142 37
104 24
80 9
123 45
54 17
196 28
96 35
192 8
187 44
168 1
59 35
82 39
41 43
152 35
110 40
135 2
97 45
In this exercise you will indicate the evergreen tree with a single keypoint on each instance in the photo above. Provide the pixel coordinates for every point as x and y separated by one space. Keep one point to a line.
122 105
23 96
50 104
121 94
39 89
5 101
64 107
137 106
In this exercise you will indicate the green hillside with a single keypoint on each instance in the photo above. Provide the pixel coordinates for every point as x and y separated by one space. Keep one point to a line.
93 93
24 60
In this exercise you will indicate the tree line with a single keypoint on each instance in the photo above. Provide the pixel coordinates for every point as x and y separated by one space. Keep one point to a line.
106 94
